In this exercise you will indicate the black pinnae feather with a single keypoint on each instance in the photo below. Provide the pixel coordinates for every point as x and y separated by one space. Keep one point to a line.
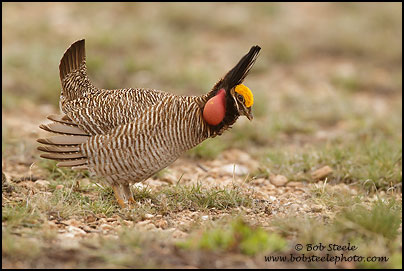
233 78
237 75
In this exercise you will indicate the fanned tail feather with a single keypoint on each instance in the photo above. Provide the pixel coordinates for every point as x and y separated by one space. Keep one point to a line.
64 147
63 140
61 148
73 74
62 128
62 119
73 163
73 59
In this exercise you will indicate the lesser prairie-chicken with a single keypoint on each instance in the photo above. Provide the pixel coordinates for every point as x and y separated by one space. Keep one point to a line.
127 135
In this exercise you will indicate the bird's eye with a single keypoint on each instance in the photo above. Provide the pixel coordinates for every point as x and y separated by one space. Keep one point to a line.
240 98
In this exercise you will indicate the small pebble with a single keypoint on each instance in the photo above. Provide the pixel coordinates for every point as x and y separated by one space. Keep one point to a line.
294 184
278 180
272 198
42 184
145 225
161 223
75 231
321 172
234 168
316 208
294 207
105 227
84 182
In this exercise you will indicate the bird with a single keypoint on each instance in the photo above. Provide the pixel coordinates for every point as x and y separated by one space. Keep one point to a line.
127 135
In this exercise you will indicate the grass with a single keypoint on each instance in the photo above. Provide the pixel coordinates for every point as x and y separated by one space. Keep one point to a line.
78 198
99 251
236 237
142 36
355 225
371 163
178 198
373 229
196 197
383 219
20 215
364 226
18 248
56 173
321 98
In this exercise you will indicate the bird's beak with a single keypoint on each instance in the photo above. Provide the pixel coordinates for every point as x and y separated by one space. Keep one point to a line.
248 114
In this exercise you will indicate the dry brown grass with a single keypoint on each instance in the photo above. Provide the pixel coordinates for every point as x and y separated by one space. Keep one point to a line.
328 90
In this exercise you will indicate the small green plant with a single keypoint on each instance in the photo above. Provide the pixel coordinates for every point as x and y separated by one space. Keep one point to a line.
19 214
208 149
383 218
238 237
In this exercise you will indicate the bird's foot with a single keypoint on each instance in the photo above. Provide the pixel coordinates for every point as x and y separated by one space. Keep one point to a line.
118 196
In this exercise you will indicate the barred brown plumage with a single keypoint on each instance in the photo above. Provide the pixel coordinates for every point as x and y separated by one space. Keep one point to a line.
127 135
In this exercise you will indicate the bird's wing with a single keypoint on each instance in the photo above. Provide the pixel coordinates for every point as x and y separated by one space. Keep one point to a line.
100 113
74 147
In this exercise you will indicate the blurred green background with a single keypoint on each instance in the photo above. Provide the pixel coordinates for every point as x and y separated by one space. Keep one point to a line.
186 47
327 89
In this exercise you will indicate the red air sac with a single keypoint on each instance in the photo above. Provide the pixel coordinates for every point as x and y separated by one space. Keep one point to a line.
215 108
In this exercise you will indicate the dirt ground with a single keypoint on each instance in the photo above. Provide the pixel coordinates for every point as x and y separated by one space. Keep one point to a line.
272 197
320 163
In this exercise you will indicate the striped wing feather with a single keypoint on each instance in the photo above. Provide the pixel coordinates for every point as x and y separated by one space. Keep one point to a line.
104 112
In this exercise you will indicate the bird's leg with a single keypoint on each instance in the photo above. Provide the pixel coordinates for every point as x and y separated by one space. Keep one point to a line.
118 195
128 193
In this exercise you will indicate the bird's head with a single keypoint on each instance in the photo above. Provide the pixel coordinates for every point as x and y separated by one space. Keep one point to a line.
229 98
243 100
